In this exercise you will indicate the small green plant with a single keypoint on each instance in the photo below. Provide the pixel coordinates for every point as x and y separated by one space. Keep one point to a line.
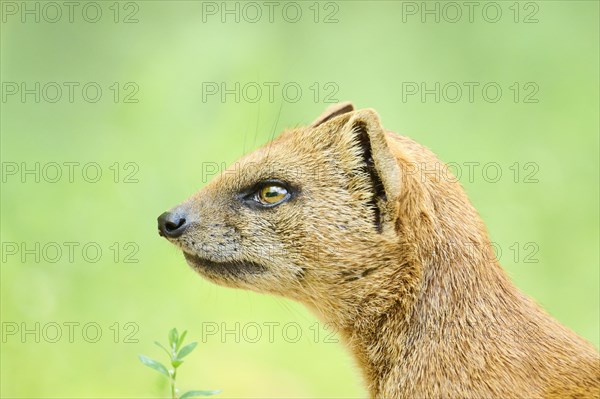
176 354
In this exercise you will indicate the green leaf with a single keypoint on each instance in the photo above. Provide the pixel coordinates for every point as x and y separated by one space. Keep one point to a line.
163 348
176 363
173 338
195 394
181 338
186 350
153 364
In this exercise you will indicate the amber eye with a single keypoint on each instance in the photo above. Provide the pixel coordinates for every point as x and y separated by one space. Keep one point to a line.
272 194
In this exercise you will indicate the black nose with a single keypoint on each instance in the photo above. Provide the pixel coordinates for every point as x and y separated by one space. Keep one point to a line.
171 224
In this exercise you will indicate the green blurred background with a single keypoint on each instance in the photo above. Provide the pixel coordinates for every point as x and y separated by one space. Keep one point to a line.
357 50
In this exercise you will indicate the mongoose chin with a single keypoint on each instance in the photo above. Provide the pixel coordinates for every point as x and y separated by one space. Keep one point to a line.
347 218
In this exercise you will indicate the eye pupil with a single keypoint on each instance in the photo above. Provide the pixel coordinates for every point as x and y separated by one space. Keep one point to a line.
272 194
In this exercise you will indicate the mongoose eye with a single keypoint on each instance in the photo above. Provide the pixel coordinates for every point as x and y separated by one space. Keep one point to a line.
272 194
268 193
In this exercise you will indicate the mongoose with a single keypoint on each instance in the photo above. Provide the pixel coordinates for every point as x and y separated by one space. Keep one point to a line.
337 215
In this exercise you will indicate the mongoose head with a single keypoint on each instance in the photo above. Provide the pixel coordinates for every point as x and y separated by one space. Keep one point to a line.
361 225
310 216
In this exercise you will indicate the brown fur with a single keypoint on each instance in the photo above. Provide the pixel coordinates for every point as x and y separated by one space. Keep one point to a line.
394 256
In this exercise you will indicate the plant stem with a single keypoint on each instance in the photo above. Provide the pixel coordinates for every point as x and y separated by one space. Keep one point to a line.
173 389
174 372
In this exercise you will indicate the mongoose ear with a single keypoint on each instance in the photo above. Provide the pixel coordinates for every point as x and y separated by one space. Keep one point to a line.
379 162
332 111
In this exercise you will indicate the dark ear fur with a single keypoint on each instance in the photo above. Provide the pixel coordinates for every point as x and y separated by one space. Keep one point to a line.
333 111
379 163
